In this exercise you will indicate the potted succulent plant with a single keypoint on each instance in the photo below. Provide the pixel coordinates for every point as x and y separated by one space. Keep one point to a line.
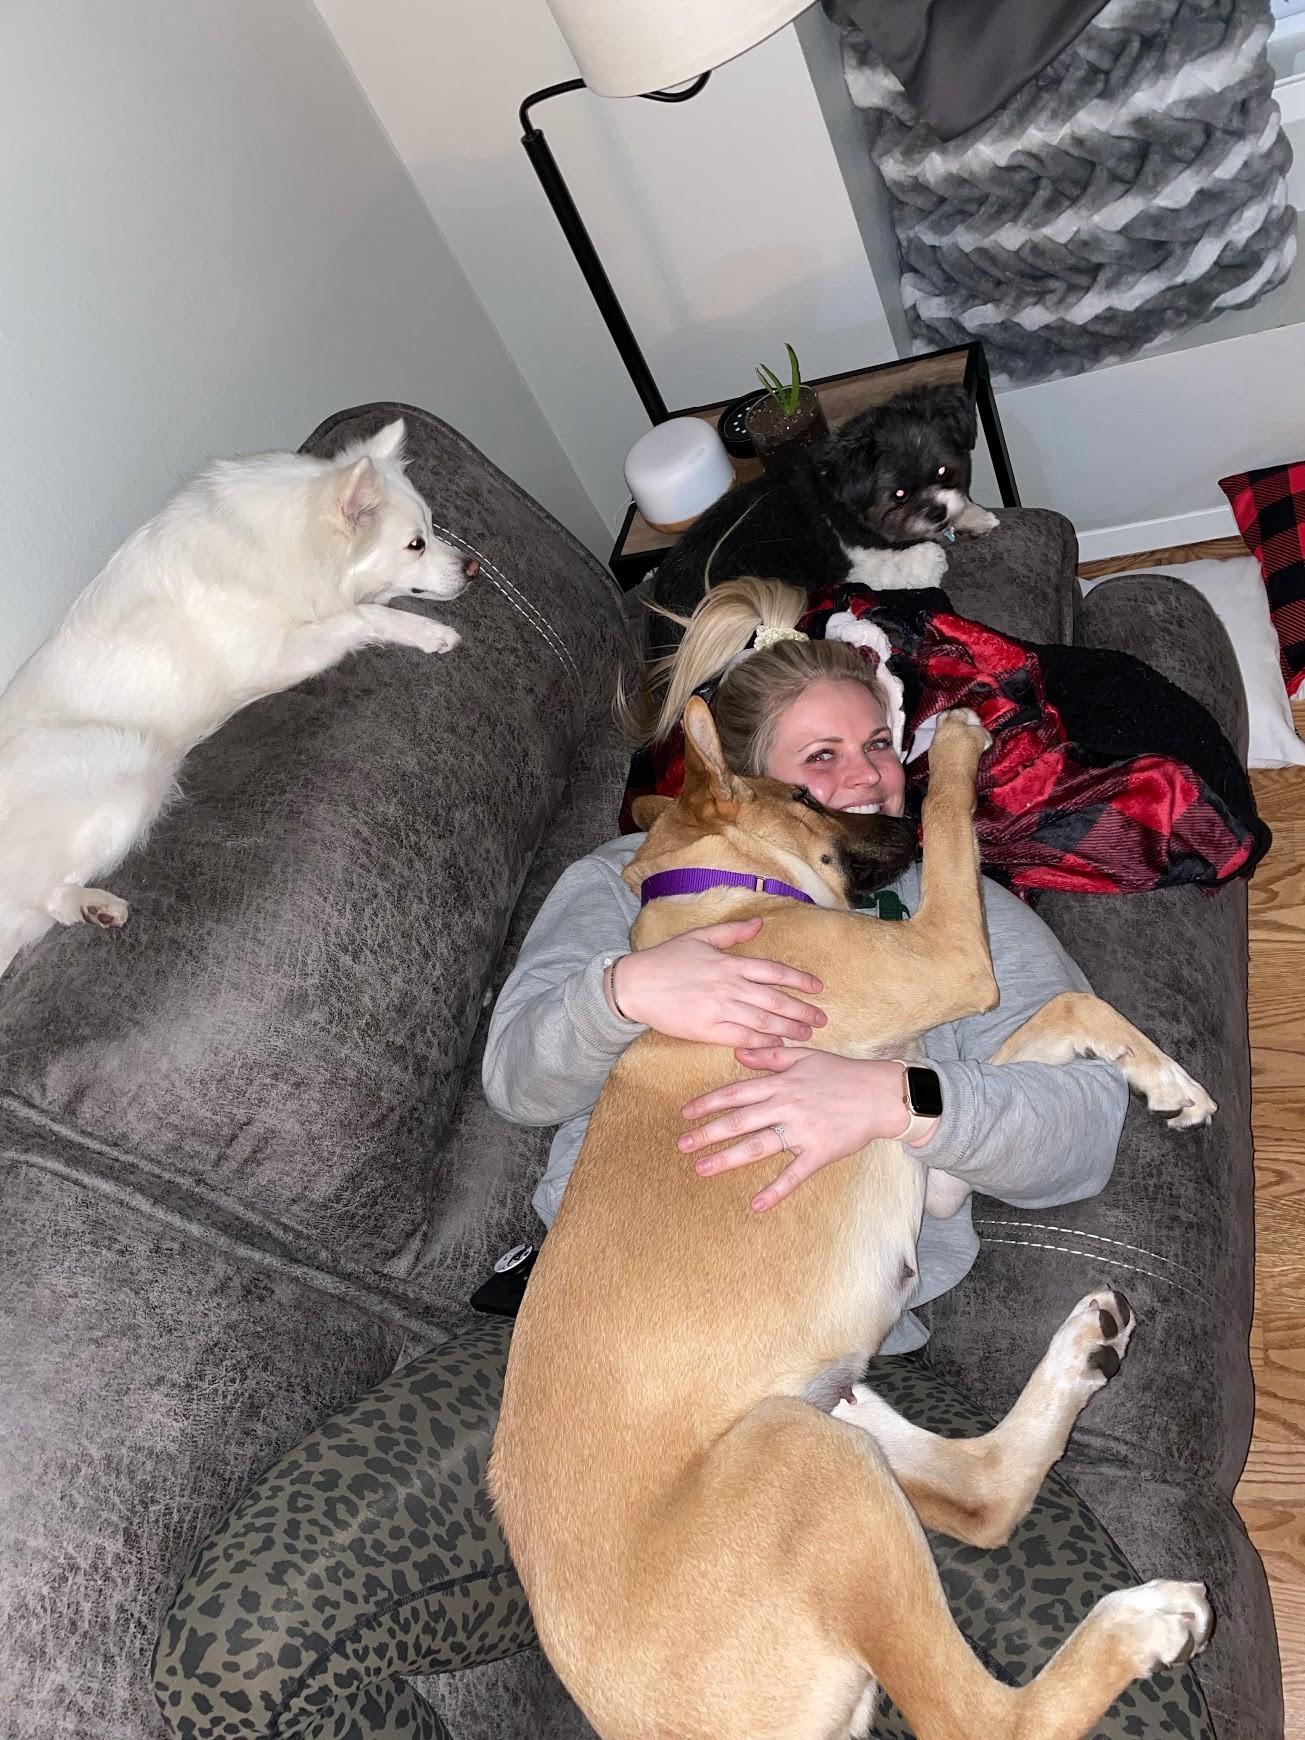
785 419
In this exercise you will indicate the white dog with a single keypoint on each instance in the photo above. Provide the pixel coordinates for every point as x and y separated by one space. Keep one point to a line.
260 573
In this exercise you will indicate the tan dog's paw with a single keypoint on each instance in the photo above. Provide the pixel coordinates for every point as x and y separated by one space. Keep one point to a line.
1159 1625
1088 1348
962 719
1177 1093
977 522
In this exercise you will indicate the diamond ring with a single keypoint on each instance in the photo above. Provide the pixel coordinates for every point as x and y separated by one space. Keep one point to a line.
779 1131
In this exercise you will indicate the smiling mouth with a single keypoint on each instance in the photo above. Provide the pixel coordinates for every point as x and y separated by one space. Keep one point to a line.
861 809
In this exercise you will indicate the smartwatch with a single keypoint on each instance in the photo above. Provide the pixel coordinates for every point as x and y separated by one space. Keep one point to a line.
923 1098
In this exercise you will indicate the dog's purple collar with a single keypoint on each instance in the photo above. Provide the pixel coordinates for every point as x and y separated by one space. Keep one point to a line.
699 881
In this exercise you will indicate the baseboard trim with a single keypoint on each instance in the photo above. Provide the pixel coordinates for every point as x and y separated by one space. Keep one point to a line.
1194 528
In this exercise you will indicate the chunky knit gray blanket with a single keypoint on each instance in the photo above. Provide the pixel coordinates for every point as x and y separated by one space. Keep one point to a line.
1133 188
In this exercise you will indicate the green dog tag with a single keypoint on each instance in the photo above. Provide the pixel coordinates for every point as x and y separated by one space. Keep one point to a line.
885 904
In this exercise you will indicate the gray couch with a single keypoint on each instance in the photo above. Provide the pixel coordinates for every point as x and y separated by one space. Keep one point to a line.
249 1170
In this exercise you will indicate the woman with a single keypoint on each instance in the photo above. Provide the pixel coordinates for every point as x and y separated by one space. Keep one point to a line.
365 1555
812 713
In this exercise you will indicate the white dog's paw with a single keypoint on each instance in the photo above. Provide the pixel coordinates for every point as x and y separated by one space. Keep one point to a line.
963 719
431 637
1159 1625
406 628
74 905
1088 1348
1175 1092
976 521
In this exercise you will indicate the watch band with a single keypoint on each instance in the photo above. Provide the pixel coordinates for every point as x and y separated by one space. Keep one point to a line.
917 1129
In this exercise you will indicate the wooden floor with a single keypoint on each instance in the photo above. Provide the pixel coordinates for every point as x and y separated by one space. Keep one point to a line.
1213 548
1271 1496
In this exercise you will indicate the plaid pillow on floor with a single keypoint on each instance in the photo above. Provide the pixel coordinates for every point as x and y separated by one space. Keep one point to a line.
1269 506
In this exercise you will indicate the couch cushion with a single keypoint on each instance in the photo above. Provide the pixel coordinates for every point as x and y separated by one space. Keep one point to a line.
488 1167
145 1381
283 1026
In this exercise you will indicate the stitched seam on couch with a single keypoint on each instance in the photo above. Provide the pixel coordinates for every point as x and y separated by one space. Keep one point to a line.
517 598
1116 1262
384 1298
1070 1232
357 1631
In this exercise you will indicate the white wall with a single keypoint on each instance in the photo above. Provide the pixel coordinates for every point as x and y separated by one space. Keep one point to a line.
728 225
724 223
1133 455
209 245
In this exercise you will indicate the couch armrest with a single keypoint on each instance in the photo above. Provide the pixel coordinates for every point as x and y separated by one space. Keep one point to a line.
1161 619
1020 579
1159 1452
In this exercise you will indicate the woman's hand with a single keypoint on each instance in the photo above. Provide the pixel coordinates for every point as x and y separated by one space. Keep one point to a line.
828 1107
689 988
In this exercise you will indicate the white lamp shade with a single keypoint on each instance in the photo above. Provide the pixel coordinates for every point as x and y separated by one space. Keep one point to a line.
626 47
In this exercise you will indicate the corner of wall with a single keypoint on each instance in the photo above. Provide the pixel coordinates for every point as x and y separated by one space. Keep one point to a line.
866 193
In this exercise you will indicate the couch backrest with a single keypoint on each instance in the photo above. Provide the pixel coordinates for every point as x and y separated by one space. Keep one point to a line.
282 1027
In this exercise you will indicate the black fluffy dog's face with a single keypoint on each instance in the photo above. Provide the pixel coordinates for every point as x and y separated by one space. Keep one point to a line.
900 474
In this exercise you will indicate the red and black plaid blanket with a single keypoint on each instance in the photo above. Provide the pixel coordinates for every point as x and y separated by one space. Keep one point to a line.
1103 776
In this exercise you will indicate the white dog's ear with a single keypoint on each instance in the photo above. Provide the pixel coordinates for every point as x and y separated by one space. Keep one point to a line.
358 494
388 444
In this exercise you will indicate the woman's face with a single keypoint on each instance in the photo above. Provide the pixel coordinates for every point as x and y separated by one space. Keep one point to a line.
835 740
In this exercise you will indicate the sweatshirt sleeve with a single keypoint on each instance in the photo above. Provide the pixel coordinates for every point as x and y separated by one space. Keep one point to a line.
1030 1134
552 1037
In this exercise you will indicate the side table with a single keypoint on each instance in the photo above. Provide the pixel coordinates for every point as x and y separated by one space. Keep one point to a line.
639 547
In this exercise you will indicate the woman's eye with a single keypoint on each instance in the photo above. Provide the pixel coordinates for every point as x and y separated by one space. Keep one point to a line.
418 544
818 755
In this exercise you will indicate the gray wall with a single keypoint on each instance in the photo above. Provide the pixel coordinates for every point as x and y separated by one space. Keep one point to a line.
209 244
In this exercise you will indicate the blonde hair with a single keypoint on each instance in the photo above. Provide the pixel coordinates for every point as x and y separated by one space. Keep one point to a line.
754 692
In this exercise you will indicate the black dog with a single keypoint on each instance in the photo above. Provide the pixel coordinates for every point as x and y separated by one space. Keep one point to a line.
868 504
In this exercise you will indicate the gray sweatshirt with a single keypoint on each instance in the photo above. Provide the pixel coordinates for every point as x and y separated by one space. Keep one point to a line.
1030 1134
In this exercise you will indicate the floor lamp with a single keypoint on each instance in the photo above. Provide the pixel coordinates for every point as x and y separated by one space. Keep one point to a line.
639 48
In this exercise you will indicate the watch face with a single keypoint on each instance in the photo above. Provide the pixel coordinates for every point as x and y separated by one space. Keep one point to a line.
925 1092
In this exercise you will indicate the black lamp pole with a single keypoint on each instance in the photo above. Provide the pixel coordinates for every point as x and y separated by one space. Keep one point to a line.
573 228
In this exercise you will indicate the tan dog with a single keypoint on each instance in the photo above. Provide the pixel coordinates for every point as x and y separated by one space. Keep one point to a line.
706 1553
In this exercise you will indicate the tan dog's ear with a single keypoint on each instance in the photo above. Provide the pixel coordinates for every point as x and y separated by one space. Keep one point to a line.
646 810
706 776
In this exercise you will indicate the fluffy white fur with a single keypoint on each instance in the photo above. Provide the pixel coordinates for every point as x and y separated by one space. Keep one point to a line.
859 631
258 574
902 568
